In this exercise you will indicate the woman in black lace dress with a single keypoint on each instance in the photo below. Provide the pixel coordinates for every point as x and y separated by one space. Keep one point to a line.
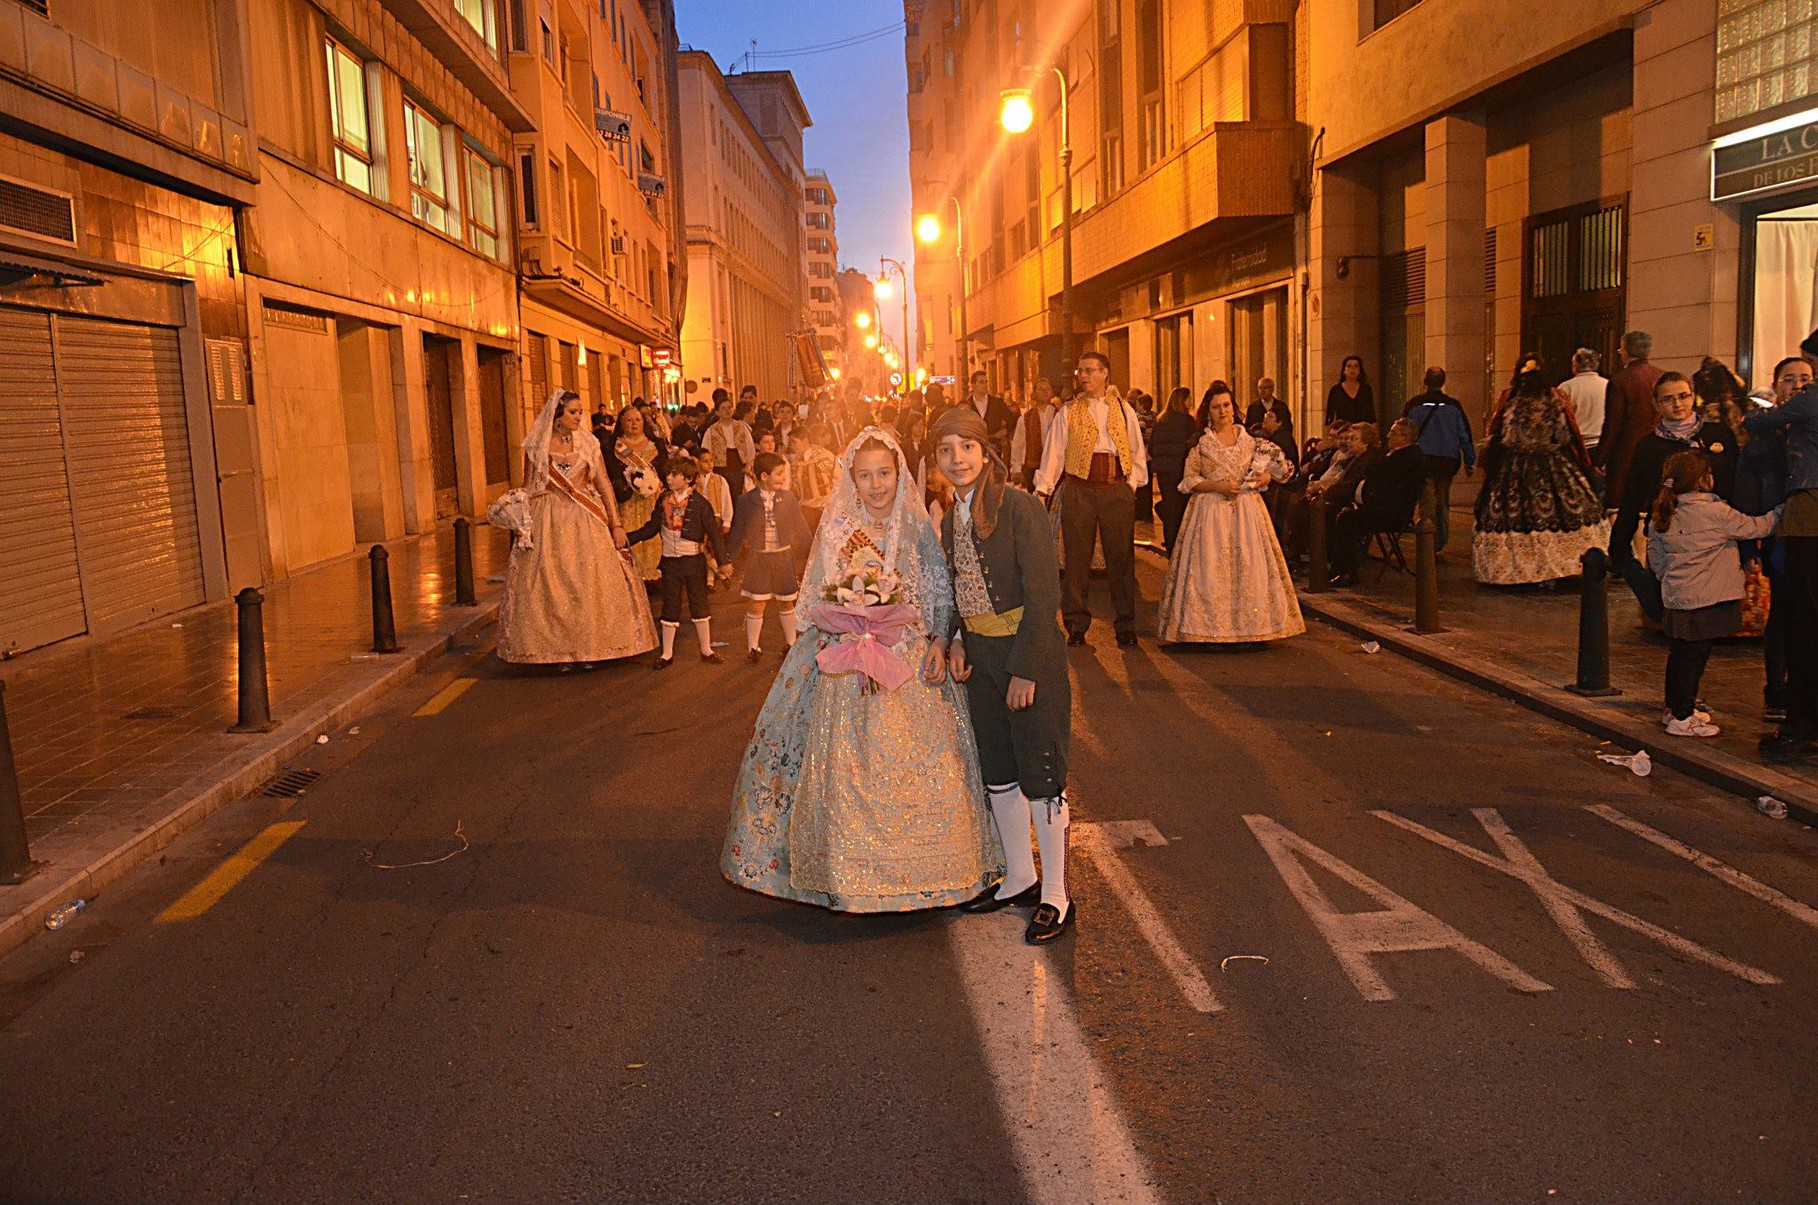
1537 512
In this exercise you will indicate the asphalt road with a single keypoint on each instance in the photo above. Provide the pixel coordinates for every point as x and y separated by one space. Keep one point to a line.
575 1007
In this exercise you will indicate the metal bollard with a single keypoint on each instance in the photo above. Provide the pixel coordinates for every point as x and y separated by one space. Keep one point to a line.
464 592
1319 573
255 695
15 851
384 626
1594 627
1426 579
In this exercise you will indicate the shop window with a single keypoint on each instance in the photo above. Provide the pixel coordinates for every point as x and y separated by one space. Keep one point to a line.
428 174
482 204
347 118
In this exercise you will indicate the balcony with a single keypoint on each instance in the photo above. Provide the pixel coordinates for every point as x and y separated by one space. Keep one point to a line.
1231 170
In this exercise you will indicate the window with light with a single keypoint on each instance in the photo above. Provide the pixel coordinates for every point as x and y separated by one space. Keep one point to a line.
347 118
482 204
428 177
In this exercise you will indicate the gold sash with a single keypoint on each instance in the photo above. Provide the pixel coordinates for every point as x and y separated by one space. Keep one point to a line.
1007 624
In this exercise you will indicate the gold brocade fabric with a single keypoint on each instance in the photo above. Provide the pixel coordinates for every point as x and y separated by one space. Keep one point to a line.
1082 436
571 596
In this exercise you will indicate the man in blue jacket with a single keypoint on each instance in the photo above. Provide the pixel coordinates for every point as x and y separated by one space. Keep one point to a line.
1797 588
1445 441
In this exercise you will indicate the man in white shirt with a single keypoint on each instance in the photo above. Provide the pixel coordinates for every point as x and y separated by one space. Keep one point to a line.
1032 434
1094 456
1585 394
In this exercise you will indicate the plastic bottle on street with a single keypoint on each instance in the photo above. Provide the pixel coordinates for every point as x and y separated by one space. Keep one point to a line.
61 917
1770 807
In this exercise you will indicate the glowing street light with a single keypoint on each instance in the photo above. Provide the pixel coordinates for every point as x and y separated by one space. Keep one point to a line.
870 342
928 228
834 373
1017 113
862 320
881 290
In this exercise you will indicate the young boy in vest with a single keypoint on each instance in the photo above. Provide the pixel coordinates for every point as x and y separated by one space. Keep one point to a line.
685 523
1007 649
770 540
1095 458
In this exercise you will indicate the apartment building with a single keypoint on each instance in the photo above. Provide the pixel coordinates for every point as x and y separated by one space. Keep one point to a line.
381 296
127 158
598 197
1597 166
826 313
741 152
1186 166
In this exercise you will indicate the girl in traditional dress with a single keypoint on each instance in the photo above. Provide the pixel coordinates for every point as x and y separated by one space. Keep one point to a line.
642 458
860 790
1228 581
571 594
1537 512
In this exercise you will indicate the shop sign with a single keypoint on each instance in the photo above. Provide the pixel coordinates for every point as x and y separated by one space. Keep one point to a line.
661 357
1765 162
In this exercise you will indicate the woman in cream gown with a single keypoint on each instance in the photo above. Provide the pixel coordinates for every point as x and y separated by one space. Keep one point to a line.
1228 582
853 795
571 594
642 455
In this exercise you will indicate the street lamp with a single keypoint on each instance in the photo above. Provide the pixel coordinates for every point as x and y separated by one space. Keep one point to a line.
928 230
884 264
880 289
862 320
870 342
1017 115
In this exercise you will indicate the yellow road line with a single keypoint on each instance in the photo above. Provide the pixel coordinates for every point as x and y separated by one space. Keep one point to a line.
208 892
448 694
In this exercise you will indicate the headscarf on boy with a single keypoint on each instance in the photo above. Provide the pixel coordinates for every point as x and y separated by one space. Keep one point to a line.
988 493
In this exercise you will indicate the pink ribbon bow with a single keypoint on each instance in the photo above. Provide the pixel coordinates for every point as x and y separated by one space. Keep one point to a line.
868 634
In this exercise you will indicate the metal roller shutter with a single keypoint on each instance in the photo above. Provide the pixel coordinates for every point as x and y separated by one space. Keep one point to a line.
40 585
127 438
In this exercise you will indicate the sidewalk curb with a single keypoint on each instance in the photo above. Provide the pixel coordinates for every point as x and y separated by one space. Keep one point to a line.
1721 770
190 806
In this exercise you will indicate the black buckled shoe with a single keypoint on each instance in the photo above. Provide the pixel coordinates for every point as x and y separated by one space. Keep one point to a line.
1075 639
1126 640
1048 924
989 901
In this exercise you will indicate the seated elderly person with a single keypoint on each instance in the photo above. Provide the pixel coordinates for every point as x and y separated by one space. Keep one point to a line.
1323 459
1383 501
1360 447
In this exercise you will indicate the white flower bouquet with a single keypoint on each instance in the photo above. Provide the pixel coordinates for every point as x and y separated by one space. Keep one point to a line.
870 584
644 482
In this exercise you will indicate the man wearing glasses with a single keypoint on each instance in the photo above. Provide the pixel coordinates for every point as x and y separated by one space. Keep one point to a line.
1796 587
1677 429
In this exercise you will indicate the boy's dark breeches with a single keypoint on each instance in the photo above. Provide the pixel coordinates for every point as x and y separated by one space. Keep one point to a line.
1028 746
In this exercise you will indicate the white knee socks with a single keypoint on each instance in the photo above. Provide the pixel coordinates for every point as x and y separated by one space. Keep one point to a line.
1051 817
1010 812
754 628
703 630
787 618
669 630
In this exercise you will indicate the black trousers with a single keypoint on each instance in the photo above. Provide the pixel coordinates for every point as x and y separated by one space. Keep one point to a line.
1170 504
1684 669
1109 513
1027 747
684 574
1798 589
1351 532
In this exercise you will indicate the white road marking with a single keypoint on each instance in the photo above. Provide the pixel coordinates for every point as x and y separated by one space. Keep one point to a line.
1072 1144
1803 913
1355 936
1570 920
1100 842
1680 945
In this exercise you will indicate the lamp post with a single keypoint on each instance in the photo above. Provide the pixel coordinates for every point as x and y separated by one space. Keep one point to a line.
1017 115
928 230
884 264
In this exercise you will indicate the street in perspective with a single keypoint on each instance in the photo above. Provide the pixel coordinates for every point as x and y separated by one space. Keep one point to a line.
1223 607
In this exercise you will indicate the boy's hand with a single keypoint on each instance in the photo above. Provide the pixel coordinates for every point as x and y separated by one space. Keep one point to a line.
957 665
934 665
1021 695
725 573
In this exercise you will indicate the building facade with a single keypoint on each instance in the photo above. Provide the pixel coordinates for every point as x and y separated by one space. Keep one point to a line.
826 312
127 161
1186 164
746 228
1547 190
598 198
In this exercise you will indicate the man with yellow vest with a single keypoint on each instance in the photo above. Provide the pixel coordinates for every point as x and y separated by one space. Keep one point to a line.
1094 457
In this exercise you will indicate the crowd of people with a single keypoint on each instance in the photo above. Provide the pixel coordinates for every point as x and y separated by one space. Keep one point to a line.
1588 463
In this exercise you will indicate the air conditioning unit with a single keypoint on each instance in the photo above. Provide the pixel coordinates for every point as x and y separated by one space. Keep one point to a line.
618 244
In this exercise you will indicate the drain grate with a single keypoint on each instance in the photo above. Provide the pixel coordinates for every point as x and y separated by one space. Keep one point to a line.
290 784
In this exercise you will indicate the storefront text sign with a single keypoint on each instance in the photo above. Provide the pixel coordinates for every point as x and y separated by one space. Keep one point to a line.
1783 159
